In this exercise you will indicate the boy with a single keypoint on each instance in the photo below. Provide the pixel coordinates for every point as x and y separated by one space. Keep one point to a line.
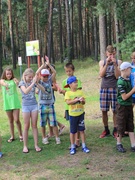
124 115
46 102
69 70
109 72
75 100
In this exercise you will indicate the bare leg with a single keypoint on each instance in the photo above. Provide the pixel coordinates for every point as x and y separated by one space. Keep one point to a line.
55 129
43 131
72 138
77 138
16 114
132 138
34 118
11 123
105 118
82 134
26 117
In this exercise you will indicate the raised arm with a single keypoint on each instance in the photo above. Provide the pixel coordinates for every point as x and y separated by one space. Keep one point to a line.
52 69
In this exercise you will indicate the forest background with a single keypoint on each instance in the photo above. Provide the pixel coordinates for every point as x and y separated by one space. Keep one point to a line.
66 29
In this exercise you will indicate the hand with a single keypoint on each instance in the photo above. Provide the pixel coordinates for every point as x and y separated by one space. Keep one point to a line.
16 81
47 60
81 99
35 79
108 60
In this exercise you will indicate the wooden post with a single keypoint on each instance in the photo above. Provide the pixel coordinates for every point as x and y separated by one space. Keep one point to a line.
28 62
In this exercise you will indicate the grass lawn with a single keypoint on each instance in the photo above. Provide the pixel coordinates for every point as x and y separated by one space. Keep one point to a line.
55 162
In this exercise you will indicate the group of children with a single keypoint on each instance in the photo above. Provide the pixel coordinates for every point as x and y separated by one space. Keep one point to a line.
43 82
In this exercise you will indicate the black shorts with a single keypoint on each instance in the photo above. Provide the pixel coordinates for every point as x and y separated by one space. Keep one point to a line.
124 119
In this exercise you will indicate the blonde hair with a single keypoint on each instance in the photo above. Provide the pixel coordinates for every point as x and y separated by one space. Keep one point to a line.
132 55
110 49
27 72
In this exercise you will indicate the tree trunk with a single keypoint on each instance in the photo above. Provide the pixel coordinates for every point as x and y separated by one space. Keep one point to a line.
60 29
102 36
80 29
11 34
69 49
95 38
117 31
50 29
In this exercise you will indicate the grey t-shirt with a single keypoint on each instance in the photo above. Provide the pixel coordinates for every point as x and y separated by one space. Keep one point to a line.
109 80
28 99
48 98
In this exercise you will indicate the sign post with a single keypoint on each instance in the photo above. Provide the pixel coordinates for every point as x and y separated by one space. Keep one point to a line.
20 64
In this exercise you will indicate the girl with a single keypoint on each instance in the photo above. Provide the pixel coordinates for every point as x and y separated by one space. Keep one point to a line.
29 107
11 101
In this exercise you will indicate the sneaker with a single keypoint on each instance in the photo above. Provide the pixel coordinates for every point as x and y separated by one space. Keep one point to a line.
105 134
120 148
114 134
85 149
45 141
133 149
58 141
72 151
1 154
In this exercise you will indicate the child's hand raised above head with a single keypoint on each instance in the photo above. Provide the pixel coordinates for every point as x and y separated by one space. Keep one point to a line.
47 60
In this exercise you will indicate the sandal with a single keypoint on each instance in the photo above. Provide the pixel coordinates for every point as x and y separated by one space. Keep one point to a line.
37 149
10 140
21 139
25 150
61 130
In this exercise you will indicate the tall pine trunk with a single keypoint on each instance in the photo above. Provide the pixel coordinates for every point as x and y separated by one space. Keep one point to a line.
11 33
69 49
102 36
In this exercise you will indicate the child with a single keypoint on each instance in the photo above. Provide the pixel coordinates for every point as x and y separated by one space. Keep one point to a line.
124 115
60 125
69 70
46 102
75 99
29 107
109 72
11 101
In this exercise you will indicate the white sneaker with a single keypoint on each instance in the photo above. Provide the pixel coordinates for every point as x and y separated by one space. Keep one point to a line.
45 141
58 141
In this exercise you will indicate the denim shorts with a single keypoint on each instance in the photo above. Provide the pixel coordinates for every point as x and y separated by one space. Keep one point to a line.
30 108
76 123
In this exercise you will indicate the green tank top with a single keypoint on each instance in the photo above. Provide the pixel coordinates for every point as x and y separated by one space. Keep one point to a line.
10 96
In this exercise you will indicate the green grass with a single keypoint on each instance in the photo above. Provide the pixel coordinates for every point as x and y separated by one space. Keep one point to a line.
54 162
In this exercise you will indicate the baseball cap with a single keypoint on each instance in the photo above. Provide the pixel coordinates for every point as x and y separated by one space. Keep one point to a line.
45 72
70 80
126 65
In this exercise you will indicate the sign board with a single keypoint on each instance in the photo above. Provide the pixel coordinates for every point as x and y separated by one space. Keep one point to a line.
32 48
20 61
